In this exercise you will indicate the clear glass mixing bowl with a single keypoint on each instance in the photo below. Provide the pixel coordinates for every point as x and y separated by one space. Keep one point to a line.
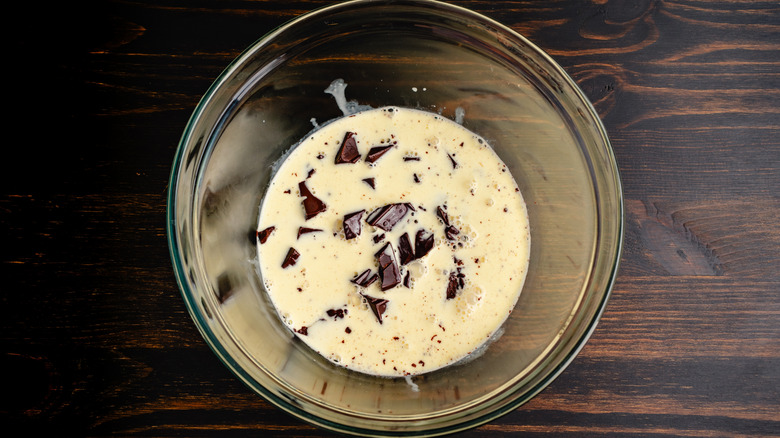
419 54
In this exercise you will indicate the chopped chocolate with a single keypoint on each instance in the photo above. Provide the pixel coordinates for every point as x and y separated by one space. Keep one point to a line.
320 156
291 258
389 274
405 251
352 224
311 204
451 232
378 238
348 152
304 230
263 235
376 153
303 330
365 278
370 182
452 288
455 283
377 305
386 217
454 163
408 279
442 215
311 172
408 158
336 313
416 178
347 330
423 242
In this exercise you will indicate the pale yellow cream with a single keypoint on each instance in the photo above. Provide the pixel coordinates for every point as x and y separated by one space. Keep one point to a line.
432 163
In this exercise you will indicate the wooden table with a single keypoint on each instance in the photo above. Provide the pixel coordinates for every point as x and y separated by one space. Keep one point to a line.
95 336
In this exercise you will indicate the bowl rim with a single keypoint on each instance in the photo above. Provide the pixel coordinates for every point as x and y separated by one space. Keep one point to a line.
281 402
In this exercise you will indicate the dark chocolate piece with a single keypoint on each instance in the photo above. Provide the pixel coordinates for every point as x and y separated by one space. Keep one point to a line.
450 231
423 243
442 215
311 172
452 287
312 205
386 217
365 278
304 230
376 153
408 279
408 158
370 182
416 178
405 250
379 238
389 274
347 330
348 152
352 224
456 282
454 163
377 305
291 258
263 235
336 313
303 330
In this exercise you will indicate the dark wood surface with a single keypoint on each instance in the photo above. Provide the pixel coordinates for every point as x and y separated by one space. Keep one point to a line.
96 339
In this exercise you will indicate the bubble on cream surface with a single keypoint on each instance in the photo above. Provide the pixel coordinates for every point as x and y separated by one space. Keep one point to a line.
396 242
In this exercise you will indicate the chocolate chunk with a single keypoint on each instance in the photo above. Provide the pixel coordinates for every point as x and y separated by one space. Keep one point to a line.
416 178
452 288
454 163
370 182
389 274
312 206
348 152
263 235
442 215
451 232
378 238
304 230
303 330
352 224
365 278
291 258
347 330
423 242
456 282
386 217
408 279
336 313
408 158
311 172
377 305
405 250
376 153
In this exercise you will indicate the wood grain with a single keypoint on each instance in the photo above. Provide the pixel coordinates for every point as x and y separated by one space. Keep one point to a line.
96 340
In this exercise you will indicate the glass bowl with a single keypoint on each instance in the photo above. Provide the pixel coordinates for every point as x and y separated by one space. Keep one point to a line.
424 55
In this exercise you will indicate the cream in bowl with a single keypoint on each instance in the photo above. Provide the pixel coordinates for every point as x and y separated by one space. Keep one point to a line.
393 241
